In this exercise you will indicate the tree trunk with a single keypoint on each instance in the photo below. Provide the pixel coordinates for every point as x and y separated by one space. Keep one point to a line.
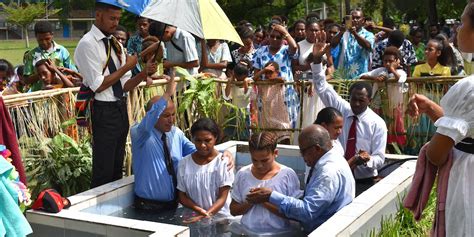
432 12
347 4
25 33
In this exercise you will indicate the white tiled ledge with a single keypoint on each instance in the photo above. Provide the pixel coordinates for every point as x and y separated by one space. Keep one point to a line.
365 212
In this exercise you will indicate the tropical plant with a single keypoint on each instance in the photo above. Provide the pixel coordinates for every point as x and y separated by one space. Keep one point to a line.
404 224
201 99
59 162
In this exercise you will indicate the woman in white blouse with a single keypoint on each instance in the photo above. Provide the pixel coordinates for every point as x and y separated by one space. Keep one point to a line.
455 131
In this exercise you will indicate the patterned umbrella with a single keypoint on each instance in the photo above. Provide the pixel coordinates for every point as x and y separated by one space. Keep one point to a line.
203 18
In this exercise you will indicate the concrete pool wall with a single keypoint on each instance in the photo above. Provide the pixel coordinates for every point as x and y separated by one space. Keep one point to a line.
88 214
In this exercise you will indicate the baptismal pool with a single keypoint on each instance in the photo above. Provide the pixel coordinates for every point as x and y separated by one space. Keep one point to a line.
108 210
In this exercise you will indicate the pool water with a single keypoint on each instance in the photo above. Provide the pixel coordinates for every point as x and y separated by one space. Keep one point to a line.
216 226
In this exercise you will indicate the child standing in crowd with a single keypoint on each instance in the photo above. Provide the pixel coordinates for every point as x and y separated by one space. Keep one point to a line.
203 179
52 77
392 69
214 57
437 60
158 56
272 111
6 73
263 172
258 37
240 94
17 83
416 37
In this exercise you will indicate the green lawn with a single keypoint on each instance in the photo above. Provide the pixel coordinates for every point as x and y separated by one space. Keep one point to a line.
13 50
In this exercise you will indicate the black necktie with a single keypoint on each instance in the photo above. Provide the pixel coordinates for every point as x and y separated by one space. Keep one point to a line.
308 179
310 174
168 161
117 87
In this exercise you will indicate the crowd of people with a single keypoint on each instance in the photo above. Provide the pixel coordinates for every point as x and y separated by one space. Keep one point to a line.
343 149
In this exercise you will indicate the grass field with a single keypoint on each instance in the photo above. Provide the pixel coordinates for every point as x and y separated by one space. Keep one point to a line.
13 50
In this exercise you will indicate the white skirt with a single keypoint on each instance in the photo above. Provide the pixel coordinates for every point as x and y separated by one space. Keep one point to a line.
460 196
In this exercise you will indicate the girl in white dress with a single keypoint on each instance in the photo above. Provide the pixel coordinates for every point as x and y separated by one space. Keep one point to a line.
455 131
204 181
263 172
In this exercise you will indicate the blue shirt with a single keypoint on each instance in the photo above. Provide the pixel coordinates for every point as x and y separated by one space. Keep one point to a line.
355 58
330 188
152 180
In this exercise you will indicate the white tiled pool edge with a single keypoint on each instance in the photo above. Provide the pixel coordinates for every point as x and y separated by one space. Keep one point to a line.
356 219
366 211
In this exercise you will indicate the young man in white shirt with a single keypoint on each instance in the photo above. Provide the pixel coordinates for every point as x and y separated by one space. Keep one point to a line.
109 78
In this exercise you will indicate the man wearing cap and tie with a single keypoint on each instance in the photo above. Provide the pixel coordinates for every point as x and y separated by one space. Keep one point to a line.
364 135
106 71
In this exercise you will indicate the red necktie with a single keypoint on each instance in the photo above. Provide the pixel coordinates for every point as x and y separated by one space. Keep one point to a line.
351 139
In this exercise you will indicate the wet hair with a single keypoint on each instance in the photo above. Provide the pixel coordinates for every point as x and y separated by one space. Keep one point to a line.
206 124
392 50
360 85
263 141
104 6
396 38
6 66
327 115
43 27
447 54
242 68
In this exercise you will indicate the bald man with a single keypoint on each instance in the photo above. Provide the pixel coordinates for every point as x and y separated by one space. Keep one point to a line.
330 185
157 147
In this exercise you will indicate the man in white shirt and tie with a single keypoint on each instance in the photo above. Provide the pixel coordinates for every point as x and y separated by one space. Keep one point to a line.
106 71
364 134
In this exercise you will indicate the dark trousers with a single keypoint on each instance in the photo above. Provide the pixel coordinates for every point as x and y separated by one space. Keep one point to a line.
109 134
155 206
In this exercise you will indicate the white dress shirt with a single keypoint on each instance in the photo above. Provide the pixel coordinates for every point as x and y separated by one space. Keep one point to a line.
90 57
371 129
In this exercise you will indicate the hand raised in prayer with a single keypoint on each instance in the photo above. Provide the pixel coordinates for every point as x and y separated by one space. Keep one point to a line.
171 86
259 195
320 47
